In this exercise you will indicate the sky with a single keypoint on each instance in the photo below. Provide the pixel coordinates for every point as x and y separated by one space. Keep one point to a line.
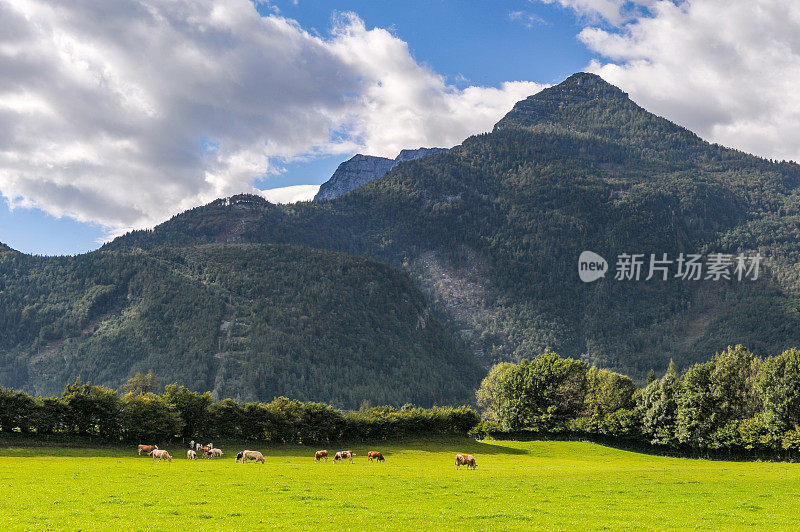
118 115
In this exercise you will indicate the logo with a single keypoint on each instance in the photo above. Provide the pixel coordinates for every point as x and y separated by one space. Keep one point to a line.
591 266
686 267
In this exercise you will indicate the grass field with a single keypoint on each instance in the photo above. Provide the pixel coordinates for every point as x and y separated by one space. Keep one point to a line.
518 485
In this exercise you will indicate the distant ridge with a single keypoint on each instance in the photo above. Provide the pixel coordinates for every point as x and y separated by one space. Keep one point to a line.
361 169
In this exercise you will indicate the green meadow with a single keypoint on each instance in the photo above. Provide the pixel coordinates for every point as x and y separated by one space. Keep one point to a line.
517 486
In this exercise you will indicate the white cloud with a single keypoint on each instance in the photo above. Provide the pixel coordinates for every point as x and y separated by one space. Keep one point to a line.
125 113
727 69
290 194
404 104
612 11
529 20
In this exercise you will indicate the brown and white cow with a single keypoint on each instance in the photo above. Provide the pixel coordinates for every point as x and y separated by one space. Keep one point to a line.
146 449
205 452
250 455
320 455
216 451
161 455
467 460
343 455
375 455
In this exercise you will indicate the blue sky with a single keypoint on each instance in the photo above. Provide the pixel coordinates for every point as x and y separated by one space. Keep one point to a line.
122 114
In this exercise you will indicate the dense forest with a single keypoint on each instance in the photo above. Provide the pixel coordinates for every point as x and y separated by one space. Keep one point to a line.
736 402
492 230
250 322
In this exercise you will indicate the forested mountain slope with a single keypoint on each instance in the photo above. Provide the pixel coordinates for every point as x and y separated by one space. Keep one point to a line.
247 321
492 230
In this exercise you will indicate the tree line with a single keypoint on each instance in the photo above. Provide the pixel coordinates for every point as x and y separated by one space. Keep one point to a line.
736 402
137 414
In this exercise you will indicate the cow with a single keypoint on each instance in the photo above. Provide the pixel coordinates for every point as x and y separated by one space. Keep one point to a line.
320 455
191 455
239 456
343 455
161 455
146 449
375 455
198 446
205 452
467 460
250 455
191 444
216 452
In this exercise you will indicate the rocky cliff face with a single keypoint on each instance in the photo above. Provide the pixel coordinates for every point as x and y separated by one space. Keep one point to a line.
353 173
362 169
410 155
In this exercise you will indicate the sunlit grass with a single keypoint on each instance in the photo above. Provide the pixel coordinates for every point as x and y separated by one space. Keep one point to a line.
545 485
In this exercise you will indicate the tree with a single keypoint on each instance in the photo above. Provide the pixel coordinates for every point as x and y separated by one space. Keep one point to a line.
542 392
695 407
148 418
226 418
194 409
608 392
658 408
92 410
50 415
488 396
16 410
140 384
779 385
716 396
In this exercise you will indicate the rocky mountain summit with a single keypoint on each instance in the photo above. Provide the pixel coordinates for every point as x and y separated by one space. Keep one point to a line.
361 169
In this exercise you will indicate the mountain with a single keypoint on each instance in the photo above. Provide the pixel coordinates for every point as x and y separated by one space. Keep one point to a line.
361 169
246 321
3 248
492 230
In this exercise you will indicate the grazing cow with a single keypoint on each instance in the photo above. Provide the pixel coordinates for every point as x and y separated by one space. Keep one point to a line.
239 456
319 455
191 455
343 455
376 455
467 460
161 455
216 452
146 449
205 452
250 455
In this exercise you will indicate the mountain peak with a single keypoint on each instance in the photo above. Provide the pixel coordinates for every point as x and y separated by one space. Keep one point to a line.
586 104
361 169
586 85
555 103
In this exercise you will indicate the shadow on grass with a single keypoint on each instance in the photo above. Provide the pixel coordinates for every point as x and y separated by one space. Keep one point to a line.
633 446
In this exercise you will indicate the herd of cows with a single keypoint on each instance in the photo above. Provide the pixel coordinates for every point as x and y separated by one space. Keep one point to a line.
209 451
